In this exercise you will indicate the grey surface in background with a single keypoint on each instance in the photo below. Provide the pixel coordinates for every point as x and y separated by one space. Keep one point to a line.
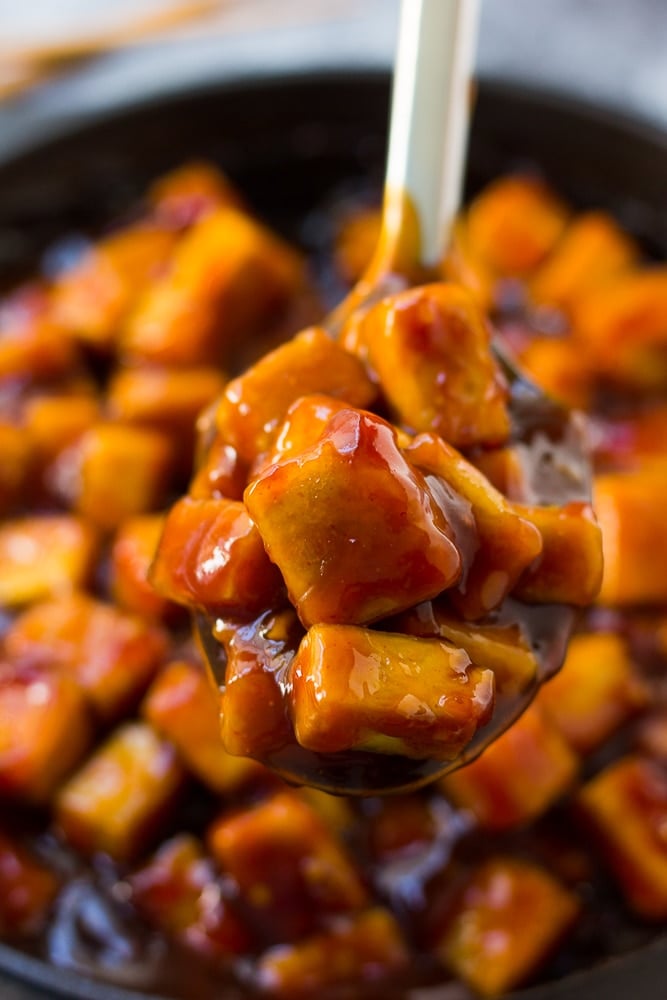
613 52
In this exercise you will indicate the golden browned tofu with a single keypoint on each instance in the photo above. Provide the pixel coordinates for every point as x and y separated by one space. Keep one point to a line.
361 949
595 691
502 648
304 423
292 871
356 242
518 776
117 801
255 404
353 688
623 328
55 422
182 704
465 266
507 543
111 654
515 223
211 555
92 299
27 889
629 507
132 555
178 890
557 366
593 250
44 555
45 730
429 348
625 809
353 526
221 475
165 398
569 568
508 920
228 276
114 472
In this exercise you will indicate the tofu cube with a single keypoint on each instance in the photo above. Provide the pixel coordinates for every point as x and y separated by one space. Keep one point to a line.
182 705
430 350
629 507
114 472
509 919
55 422
211 556
290 869
360 949
507 542
45 729
228 276
515 223
44 556
32 346
625 809
118 800
517 777
254 405
353 526
353 688
179 891
187 193
595 691
221 475
17 456
112 655
132 554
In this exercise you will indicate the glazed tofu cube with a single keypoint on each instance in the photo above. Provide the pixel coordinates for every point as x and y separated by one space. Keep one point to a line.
118 800
502 648
356 950
595 692
27 889
211 555
45 730
254 718
92 299
507 542
593 250
179 891
353 526
254 405
556 365
464 266
43 556
222 475
182 705
401 827
509 919
429 348
17 455
624 327
629 506
227 278
291 871
132 555
187 193
165 399
505 470
353 688
114 472
517 777
111 654
32 346
356 242
625 810
515 223
55 422
569 569
304 423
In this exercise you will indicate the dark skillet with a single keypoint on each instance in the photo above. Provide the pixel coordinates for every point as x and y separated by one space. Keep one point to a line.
289 143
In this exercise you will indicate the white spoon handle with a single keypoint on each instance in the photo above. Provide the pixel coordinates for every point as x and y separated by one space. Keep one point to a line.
429 115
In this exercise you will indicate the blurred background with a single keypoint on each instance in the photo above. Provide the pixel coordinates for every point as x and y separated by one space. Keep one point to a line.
68 59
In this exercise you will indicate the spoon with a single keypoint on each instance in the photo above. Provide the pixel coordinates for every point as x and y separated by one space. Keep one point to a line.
422 196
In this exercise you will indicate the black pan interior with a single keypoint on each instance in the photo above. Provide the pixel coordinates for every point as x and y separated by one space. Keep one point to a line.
289 143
